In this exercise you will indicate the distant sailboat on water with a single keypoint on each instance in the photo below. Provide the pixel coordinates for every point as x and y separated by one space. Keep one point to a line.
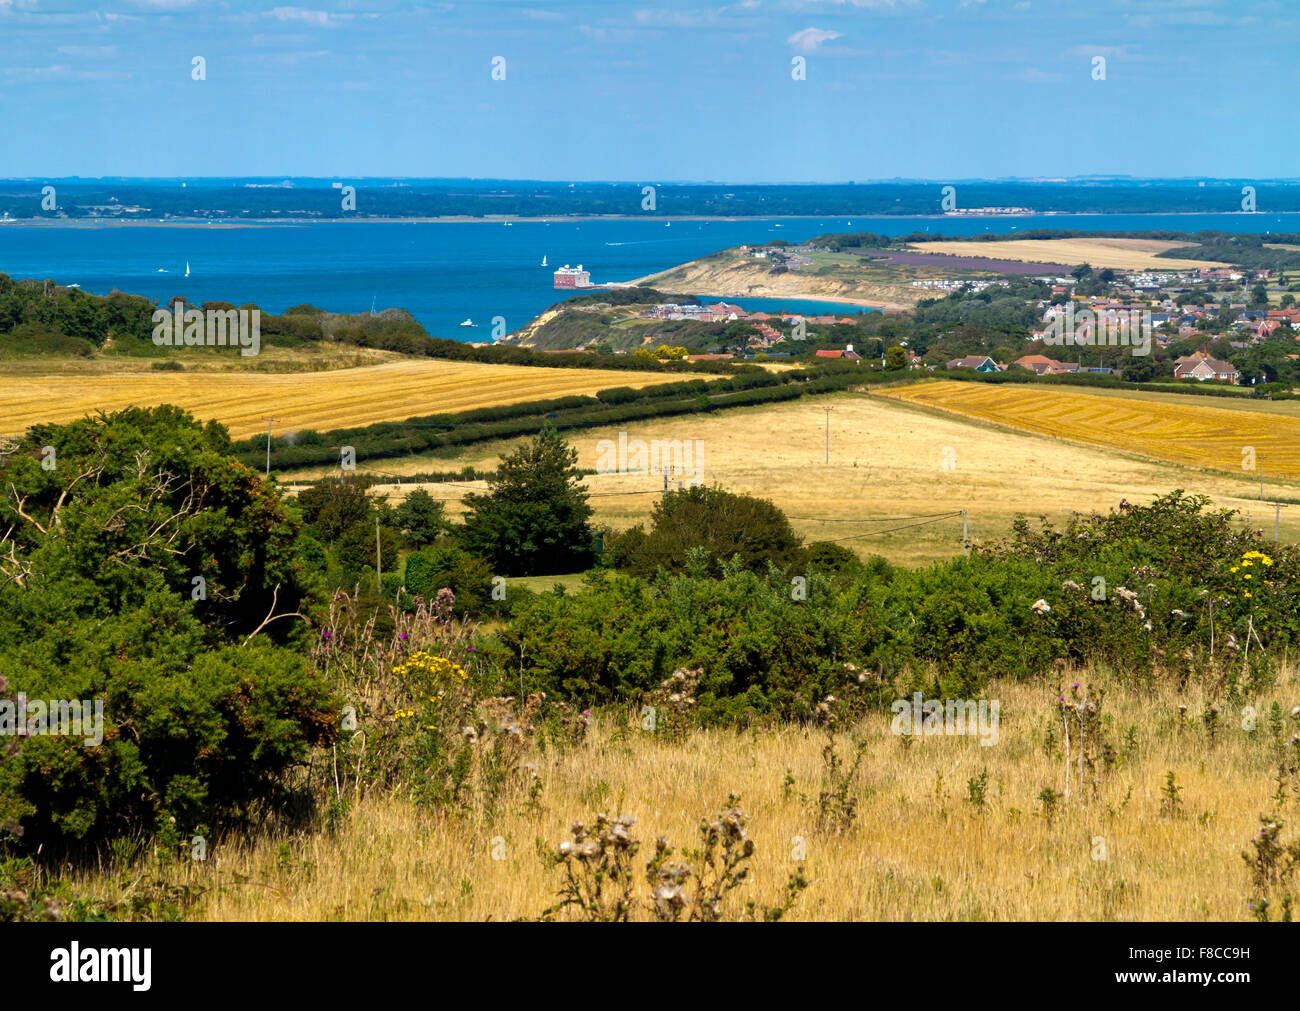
543 260
187 268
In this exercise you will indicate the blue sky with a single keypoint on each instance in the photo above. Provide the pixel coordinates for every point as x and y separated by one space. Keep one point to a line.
651 92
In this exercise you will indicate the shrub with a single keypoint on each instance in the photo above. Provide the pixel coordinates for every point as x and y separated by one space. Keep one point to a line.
434 569
200 718
722 524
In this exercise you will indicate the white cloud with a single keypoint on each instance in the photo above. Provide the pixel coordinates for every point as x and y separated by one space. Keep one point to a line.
322 19
810 39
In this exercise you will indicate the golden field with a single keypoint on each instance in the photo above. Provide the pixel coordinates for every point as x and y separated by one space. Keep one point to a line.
887 462
919 849
339 398
1191 433
1116 253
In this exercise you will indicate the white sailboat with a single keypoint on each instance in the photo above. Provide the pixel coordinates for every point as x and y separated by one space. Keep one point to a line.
187 268
543 260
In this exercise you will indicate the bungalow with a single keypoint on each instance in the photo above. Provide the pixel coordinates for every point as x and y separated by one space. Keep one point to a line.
1200 366
980 363
1043 366
848 354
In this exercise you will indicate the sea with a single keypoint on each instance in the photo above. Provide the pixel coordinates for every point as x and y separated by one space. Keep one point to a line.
448 272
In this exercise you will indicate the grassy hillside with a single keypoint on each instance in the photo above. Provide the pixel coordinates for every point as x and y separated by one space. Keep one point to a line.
1123 854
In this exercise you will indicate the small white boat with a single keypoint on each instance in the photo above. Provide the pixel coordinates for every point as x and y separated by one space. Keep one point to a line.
469 322
162 270
187 268
543 261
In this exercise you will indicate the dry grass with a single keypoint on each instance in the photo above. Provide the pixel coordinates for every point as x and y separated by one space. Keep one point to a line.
919 850
1118 254
342 398
1188 432
887 460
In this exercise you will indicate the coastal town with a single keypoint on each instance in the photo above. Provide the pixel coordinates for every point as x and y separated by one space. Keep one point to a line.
1191 322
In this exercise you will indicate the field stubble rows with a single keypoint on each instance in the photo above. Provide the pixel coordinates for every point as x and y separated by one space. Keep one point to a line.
341 398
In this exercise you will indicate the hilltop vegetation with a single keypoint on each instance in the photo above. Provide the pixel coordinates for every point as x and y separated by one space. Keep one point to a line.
41 317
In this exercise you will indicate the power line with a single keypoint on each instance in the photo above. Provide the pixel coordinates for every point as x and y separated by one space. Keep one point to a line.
868 519
905 526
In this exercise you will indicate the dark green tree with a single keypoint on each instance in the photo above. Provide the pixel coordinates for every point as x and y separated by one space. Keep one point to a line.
535 518
335 506
421 518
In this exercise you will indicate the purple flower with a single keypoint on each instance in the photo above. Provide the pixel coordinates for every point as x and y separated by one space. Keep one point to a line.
326 633
402 636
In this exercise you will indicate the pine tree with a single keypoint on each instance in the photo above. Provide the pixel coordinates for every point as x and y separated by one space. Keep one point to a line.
534 520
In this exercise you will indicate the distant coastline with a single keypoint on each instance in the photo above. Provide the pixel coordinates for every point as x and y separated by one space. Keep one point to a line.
565 218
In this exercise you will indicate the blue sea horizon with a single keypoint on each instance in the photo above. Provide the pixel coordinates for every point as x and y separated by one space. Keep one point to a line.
446 272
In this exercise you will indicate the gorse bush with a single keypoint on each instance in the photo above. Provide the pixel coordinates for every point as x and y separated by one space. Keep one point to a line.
1147 591
147 572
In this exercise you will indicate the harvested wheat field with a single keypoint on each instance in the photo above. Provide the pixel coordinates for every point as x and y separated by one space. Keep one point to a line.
944 828
342 398
892 469
1118 254
1187 433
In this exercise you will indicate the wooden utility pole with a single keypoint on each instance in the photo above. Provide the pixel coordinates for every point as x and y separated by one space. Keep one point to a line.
379 559
1277 519
268 442
965 546
828 433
